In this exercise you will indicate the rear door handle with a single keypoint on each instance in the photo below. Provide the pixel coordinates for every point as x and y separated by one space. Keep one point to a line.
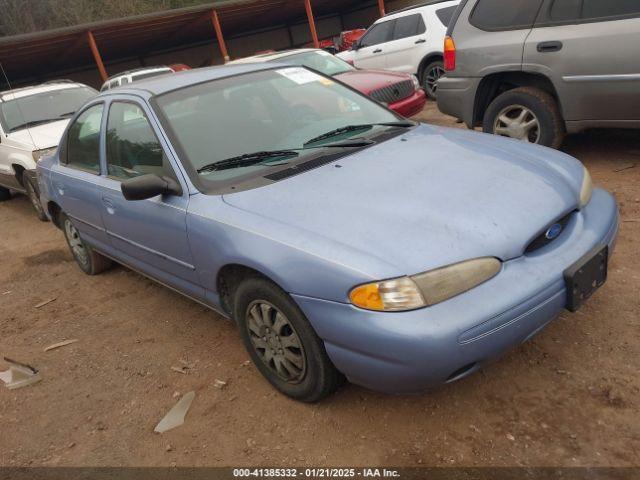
422 40
377 51
546 47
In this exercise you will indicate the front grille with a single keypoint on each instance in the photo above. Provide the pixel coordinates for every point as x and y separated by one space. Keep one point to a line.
542 240
393 93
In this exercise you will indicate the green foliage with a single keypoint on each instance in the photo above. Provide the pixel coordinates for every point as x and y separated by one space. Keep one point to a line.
24 16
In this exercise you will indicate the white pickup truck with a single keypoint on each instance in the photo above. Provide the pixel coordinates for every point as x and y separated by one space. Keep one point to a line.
32 120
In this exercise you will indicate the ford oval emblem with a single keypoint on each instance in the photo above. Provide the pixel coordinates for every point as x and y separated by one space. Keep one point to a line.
553 231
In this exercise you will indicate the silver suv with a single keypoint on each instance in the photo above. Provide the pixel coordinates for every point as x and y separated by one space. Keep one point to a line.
537 69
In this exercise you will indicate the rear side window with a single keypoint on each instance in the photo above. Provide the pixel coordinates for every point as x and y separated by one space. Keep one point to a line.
445 15
578 10
494 15
378 33
409 26
83 140
132 146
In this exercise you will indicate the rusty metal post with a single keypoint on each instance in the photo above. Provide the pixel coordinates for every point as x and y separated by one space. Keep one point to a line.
381 7
312 23
96 56
218 28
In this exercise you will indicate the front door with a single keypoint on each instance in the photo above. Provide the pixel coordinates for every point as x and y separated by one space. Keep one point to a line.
371 52
590 49
151 234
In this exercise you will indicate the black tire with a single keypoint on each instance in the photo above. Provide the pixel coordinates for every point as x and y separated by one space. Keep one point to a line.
429 76
33 196
543 108
90 262
5 194
313 376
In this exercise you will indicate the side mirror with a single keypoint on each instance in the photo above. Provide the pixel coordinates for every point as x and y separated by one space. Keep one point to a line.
149 186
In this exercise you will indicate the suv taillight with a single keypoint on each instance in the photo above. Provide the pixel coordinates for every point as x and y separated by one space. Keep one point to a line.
449 54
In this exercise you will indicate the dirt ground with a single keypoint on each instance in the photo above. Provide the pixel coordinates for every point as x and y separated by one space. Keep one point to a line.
569 397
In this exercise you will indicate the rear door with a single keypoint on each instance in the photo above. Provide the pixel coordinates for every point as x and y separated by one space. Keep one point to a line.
590 49
372 51
409 35
490 36
75 179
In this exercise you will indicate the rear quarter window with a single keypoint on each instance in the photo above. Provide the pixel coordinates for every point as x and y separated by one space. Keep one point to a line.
590 10
445 15
496 15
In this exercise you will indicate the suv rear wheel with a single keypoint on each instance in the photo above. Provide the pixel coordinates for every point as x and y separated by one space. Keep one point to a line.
526 114
430 76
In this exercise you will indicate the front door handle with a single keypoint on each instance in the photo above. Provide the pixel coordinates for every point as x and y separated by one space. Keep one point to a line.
546 47
108 204
377 51
422 40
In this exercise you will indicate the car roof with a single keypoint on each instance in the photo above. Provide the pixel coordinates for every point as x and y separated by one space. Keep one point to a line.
430 5
50 86
167 83
268 57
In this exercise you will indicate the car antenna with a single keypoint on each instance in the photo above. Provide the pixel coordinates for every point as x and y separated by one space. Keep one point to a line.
24 120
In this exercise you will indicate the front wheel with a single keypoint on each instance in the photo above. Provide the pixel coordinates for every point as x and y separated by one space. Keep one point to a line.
526 114
33 196
282 343
89 261
430 76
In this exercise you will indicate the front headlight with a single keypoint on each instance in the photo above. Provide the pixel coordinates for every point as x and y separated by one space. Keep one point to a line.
587 188
424 289
38 154
416 82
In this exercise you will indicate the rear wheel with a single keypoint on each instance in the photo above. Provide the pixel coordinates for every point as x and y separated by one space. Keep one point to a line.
430 76
5 194
282 343
33 196
526 114
89 261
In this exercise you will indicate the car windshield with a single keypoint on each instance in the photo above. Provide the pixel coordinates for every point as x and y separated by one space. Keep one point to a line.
21 112
318 60
279 110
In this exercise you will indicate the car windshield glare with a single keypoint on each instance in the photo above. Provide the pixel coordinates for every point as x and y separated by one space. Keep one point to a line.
265 111
39 108
319 60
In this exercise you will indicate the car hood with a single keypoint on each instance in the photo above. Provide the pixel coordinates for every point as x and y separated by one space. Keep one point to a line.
430 197
41 136
366 81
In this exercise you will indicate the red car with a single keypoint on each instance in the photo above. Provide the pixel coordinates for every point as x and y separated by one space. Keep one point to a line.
399 91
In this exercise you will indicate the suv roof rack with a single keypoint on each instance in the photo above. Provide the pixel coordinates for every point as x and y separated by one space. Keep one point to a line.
60 80
418 5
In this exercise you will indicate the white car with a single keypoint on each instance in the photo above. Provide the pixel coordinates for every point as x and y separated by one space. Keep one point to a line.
409 40
32 120
131 76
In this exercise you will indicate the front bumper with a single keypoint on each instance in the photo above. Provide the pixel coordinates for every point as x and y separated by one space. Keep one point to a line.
410 106
457 97
410 352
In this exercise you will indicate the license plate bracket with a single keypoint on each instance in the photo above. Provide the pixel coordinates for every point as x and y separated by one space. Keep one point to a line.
586 276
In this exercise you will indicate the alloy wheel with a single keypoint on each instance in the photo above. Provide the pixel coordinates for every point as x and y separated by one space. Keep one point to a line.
276 341
75 242
517 121
431 80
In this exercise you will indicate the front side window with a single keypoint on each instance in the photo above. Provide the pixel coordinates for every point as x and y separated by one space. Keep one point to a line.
319 60
565 10
504 14
18 111
283 109
132 146
409 26
378 33
83 140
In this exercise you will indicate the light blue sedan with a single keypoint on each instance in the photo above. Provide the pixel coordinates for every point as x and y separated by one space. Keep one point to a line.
345 241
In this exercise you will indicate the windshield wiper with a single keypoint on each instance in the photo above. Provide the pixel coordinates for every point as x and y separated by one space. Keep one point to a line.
355 128
249 159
